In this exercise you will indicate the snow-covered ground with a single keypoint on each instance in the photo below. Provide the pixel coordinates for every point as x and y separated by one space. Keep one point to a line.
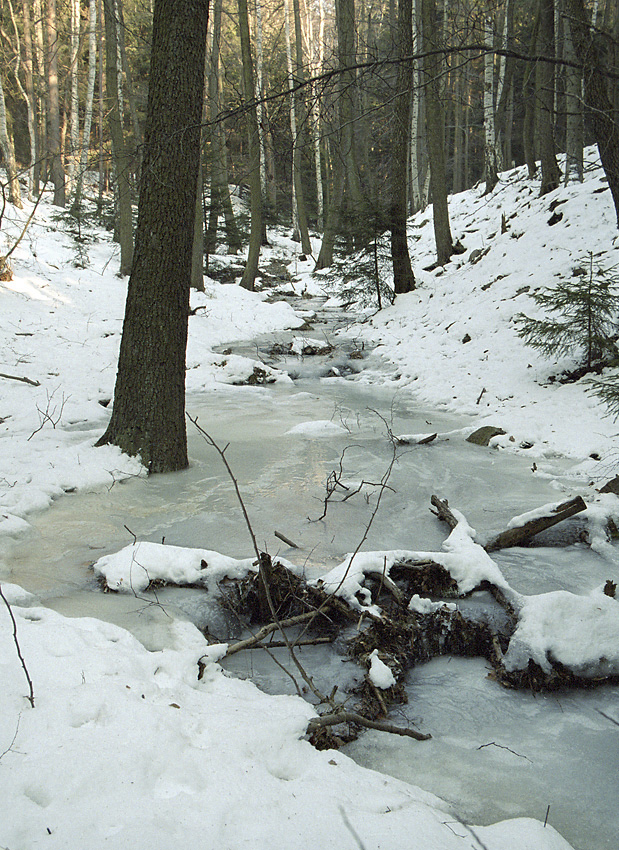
126 747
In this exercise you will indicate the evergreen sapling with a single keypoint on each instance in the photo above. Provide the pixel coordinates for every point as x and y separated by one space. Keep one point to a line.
587 306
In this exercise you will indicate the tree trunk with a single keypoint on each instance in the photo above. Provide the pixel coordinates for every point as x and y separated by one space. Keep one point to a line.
255 237
74 133
306 245
219 191
53 108
8 153
197 255
435 128
148 417
530 108
347 209
574 131
598 105
490 161
28 92
403 277
545 88
122 161
90 93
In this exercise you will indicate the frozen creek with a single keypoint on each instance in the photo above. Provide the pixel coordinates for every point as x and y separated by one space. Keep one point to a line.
494 753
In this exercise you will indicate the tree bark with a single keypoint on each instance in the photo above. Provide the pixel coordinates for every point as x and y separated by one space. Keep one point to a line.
255 237
574 130
490 158
122 161
90 94
403 277
8 153
598 105
148 417
545 88
53 108
435 128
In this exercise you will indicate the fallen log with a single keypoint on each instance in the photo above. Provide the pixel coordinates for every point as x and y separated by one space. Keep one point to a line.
522 534
443 512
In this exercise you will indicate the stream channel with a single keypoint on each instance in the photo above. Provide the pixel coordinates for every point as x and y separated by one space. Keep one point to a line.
494 753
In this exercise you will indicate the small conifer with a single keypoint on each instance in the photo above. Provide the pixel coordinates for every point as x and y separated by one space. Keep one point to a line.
587 306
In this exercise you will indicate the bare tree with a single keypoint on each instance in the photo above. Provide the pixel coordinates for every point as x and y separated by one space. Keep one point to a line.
148 417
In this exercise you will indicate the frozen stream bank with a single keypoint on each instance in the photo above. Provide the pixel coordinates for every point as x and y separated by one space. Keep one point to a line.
494 753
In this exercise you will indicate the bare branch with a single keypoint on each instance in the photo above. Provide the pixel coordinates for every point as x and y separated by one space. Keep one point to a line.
30 697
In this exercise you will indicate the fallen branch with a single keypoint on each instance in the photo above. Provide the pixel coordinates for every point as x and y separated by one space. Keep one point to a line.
23 380
285 540
249 642
352 717
443 512
30 697
521 534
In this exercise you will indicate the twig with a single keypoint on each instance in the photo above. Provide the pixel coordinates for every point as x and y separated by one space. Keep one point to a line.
23 380
480 395
10 746
607 716
263 558
501 747
285 540
351 829
30 697
352 717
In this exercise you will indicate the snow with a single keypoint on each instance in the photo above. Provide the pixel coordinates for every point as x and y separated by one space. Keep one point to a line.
126 747
380 674
133 568
317 428
580 632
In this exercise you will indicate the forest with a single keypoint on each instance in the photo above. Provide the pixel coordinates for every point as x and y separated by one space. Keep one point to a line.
370 260
340 118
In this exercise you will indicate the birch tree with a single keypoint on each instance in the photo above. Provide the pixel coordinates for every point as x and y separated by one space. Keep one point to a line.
88 107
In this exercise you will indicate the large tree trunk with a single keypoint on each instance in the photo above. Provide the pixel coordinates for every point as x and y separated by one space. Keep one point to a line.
435 126
403 277
149 401
122 161
545 88
256 227
598 104
530 108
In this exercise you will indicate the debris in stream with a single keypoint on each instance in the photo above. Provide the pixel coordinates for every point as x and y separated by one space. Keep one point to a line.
388 611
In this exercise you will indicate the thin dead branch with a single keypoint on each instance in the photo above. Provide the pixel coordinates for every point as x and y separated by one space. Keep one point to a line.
352 717
24 380
30 696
